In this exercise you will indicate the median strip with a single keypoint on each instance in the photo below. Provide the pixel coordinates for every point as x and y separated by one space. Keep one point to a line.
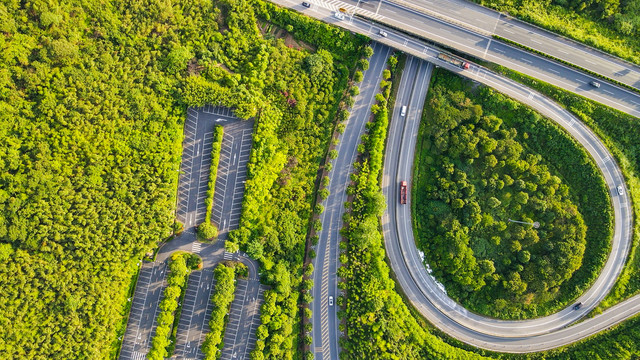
206 230
221 300
180 267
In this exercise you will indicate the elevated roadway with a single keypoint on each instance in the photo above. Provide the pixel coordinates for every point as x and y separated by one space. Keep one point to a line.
422 290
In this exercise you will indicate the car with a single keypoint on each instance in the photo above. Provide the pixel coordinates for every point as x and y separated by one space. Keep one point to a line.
595 84
620 190
330 300
577 306
403 111
306 4
382 33
338 15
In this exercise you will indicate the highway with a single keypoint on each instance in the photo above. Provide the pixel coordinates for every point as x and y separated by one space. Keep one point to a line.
498 335
325 321
467 40
489 22
422 290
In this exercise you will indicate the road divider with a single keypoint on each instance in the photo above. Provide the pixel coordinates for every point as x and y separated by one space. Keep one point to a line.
206 230
221 299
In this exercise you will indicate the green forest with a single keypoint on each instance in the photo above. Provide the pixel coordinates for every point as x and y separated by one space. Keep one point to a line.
383 327
609 25
481 166
93 98
621 134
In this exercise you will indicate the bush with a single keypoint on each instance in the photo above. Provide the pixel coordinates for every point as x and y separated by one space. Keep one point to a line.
207 231
216 147
363 64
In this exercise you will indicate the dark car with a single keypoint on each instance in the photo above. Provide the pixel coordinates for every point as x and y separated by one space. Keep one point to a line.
306 4
595 84
577 306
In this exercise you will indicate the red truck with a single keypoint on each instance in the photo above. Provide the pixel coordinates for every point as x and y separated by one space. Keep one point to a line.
453 60
403 192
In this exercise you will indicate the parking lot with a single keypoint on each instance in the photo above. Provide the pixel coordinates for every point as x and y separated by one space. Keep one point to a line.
144 308
191 210
232 173
244 318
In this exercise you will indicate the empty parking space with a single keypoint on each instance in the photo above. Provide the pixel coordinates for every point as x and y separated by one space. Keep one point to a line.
185 325
144 306
244 318
232 174
191 209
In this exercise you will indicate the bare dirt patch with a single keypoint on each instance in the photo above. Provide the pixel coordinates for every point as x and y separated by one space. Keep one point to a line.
269 30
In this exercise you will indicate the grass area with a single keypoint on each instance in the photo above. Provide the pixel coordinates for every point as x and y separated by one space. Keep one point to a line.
610 33
481 165
621 134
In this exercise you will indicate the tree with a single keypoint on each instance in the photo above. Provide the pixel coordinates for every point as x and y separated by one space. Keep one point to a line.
177 58
368 52
358 76
207 231
231 247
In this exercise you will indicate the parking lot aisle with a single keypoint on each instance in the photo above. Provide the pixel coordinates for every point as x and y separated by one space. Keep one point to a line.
143 304
184 182
221 183
241 176
202 179
253 318
188 308
235 319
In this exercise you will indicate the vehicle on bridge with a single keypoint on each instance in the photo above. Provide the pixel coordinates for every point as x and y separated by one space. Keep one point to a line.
453 60
403 192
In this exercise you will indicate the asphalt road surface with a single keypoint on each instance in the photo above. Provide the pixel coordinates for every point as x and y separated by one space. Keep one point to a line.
476 44
424 292
191 209
324 318
489 22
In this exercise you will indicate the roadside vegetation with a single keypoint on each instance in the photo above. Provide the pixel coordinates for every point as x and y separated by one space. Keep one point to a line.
609 25
477 167
621 134
376 322
293 95
221 299
93 102
163 342
207 230
389 320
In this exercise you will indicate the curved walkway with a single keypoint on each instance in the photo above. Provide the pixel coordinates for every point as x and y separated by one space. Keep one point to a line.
500 335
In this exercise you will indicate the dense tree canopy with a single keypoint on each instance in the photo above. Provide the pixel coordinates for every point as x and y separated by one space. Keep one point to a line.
93 100
477 174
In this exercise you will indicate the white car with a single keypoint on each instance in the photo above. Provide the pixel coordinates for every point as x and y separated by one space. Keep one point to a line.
382 33
339 15
620 190
330 300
